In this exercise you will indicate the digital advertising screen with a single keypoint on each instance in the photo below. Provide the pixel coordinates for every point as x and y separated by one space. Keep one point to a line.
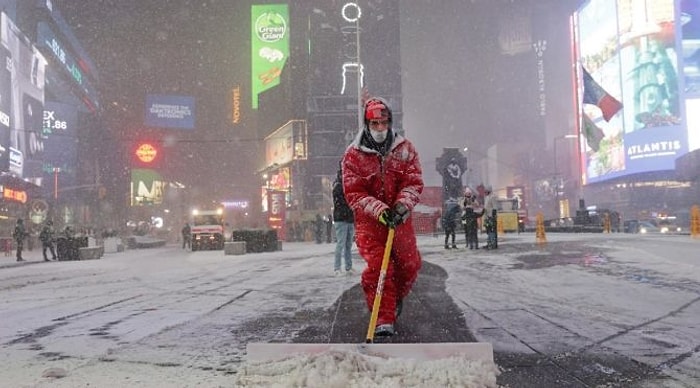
637 54
22 81
59 141
170 111
690 41
147 187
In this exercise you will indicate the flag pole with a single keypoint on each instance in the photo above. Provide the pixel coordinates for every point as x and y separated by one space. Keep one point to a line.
578 115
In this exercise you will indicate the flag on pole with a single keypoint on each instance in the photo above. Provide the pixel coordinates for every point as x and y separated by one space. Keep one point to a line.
594 94
592 132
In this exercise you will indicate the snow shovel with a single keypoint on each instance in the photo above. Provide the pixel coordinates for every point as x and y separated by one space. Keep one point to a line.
477 351
380 286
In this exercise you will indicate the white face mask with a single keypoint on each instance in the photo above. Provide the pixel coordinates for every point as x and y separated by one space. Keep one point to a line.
379 136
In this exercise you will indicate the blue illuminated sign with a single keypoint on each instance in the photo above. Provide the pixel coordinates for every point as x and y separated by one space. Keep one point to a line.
169 111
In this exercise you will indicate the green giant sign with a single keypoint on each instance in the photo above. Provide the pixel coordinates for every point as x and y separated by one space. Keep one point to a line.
270 46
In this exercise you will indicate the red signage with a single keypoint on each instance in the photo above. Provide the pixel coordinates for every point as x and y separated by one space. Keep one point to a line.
146 153
276 208
14 195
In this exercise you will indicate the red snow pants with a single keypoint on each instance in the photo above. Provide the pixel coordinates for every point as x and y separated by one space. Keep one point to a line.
403 267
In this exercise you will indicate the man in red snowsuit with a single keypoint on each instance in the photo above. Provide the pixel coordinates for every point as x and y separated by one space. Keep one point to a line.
382 180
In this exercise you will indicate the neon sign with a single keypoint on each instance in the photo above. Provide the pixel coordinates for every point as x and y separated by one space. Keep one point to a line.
14 195
146 153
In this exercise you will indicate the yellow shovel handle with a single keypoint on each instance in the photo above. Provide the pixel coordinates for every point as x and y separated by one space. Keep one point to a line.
380 287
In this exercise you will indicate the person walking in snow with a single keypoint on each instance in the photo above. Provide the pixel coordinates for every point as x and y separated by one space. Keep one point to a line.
383 180
344 224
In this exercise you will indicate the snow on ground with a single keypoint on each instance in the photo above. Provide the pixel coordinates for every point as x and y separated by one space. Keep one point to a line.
647 293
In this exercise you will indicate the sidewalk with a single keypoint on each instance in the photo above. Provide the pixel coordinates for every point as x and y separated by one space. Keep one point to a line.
31 257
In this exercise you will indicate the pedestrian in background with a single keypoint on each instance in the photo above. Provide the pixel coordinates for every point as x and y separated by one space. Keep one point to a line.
318 229
19 234
344 224
490 218
329 228
186 236
46 236
450 221
383 181
472 213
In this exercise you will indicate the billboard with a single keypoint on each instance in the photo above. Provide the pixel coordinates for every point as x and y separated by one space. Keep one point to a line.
72 65
269 45
147 187
633 51
22 81
59 140
169 111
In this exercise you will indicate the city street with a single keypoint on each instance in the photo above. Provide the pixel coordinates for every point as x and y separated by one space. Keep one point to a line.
581 311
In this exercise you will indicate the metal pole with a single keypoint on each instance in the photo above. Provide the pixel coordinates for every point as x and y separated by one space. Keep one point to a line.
56 170
557 210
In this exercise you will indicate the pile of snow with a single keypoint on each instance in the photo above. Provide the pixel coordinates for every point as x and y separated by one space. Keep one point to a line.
335 368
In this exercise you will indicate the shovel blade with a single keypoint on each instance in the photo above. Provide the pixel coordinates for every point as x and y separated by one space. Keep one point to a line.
481 351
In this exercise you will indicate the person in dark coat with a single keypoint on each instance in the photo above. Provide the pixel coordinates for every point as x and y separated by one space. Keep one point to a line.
318 229
344 223
19 234
46 236
450 220
329 228
186 236
472 212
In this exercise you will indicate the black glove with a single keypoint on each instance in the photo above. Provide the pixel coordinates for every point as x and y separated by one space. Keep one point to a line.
388 218
401 213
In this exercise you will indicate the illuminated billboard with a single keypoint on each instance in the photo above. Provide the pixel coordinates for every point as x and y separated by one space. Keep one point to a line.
22 84
168 111
632 50
147 187
59 143
269 45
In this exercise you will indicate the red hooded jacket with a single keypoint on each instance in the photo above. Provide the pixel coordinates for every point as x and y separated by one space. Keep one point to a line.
373 183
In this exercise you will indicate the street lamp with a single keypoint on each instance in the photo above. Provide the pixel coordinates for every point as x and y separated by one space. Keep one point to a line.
558 181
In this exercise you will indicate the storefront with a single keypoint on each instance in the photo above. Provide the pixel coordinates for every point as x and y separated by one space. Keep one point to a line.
18 199
282 188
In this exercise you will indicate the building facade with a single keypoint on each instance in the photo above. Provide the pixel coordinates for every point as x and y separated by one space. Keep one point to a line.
49 115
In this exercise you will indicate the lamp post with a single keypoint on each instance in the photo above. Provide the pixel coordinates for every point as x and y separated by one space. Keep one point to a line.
56 170
468 171
558 181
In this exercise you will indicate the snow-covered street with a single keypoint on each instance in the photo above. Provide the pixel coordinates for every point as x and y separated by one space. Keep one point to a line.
595 308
